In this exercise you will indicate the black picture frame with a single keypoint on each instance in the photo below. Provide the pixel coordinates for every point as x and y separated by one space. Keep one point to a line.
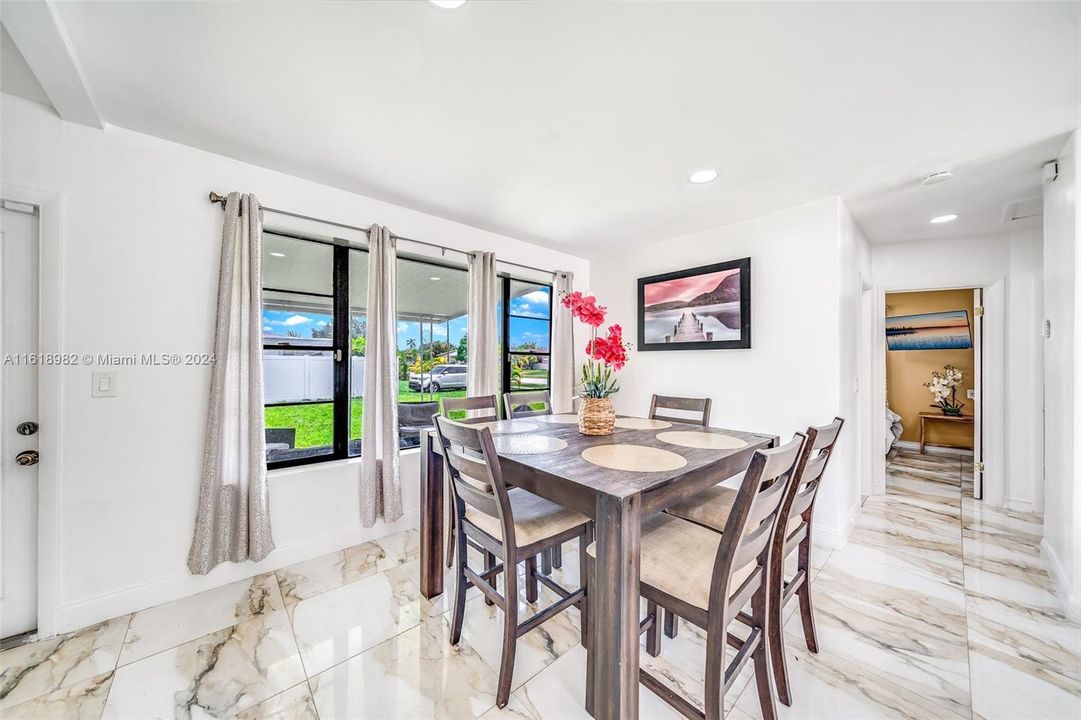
743 265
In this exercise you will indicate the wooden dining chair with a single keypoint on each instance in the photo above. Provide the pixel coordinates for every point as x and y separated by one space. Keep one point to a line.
520 404
708 578
713 508
515 526
465 405
691 405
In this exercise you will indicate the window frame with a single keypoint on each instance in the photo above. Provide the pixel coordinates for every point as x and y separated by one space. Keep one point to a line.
339 352
505 361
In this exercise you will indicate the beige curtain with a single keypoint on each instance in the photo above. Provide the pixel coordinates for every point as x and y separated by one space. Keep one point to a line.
380 481
482 377
563 375
233 518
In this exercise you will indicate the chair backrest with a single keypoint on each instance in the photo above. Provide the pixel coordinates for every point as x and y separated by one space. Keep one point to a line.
520 404
693 405
812 464
478 402
750 527
475 475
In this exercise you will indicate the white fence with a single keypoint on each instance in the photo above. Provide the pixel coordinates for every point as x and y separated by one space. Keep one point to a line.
296 378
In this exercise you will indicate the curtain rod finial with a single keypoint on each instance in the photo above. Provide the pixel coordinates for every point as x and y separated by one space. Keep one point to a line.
216 198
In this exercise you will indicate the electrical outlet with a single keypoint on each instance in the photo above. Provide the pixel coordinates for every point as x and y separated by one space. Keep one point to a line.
971 394
103 384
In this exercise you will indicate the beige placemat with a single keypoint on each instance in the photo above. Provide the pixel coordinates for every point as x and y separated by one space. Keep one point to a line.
635 458
566 419
699 439
499 427
526 444
641 424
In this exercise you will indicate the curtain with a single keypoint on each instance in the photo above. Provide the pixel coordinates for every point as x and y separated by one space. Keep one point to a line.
482 377
380 481
233 518
563 375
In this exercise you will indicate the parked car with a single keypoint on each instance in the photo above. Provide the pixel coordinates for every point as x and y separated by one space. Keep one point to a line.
441 377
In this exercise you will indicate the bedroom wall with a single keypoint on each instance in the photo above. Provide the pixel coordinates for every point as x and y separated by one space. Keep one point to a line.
908 370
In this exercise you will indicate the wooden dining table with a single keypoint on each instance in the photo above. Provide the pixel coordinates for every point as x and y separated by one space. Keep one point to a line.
617 500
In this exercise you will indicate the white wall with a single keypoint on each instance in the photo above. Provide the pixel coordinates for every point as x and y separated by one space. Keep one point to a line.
1014 259
791 377
138 273
1062 306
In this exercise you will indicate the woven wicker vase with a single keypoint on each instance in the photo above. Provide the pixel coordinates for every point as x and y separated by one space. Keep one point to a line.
596 416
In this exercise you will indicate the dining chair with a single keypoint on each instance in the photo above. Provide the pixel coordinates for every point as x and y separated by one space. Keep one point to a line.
712 509
476 404
513 525
520 404
708 578
692 405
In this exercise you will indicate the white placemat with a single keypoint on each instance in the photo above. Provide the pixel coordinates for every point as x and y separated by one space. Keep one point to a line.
500 427
642 424
565 419
699 439
633 458
526 444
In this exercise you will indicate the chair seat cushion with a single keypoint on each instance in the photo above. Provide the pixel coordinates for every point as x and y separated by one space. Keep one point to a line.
535 518
678 557
712 508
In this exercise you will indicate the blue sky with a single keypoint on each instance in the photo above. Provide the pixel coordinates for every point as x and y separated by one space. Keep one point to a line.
523 329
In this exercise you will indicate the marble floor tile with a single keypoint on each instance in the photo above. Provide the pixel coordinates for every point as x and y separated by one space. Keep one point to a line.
923 483
934 518
82 701
416 674
45 666
935 463
906 548
312 577
400 548
977 517
340 623
215 676
296 703
166 626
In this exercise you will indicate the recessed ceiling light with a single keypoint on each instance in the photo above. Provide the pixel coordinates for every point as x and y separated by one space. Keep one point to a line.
944 219
434 278
704 175
936 177
278 254
447 4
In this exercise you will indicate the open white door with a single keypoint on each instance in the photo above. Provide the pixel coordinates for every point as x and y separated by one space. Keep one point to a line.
18 416
977 399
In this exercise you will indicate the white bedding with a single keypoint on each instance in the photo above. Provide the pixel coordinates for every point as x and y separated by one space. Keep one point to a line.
893 428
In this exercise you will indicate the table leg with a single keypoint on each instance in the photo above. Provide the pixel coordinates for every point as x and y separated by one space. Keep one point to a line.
923 424
615 633
432 514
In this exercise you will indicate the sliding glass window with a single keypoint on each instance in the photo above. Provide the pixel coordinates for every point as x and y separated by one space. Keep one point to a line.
526 335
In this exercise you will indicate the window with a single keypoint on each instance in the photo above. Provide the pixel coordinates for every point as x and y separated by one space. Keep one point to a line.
306 360
526 334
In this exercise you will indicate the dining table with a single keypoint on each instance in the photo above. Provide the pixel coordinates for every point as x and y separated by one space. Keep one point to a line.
617 480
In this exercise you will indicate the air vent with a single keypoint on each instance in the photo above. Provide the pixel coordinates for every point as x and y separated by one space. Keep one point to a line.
1022 209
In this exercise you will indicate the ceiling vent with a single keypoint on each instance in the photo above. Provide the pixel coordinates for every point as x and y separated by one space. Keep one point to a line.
1022 210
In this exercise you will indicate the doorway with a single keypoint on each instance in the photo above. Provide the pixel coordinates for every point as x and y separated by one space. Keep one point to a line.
933 380
19 259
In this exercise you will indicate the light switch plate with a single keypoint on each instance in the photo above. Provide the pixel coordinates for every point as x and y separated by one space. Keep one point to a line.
971 394
103 384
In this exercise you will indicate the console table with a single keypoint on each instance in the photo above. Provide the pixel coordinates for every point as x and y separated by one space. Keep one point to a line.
926 417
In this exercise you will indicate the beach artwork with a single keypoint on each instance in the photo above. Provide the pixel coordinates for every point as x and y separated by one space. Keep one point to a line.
929 331
697 309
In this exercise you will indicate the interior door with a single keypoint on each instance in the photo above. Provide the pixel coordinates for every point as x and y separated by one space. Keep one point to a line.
18 415
977 392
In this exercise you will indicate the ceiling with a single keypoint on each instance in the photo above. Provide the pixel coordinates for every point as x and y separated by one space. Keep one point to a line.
575 125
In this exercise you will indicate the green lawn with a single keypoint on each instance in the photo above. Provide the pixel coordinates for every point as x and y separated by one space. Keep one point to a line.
314 422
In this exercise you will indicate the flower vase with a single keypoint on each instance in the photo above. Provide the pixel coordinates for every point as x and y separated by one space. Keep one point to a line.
951 411
596 416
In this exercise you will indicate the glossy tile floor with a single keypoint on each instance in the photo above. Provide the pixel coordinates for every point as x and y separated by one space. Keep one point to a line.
937 608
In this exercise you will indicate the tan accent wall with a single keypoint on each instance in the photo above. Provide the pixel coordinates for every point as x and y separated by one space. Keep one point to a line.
908 370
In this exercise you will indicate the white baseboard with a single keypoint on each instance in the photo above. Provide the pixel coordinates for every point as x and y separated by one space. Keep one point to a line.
909 446
1070 597
835 538
132 599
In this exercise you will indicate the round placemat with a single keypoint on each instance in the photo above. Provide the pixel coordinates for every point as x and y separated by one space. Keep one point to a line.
499 427
642 424
699 439
565 419
635 458
527 444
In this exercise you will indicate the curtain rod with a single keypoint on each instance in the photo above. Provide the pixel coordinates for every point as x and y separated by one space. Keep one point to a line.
220 200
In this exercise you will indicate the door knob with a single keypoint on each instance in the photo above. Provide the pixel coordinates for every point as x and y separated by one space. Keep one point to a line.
27 428
27 457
